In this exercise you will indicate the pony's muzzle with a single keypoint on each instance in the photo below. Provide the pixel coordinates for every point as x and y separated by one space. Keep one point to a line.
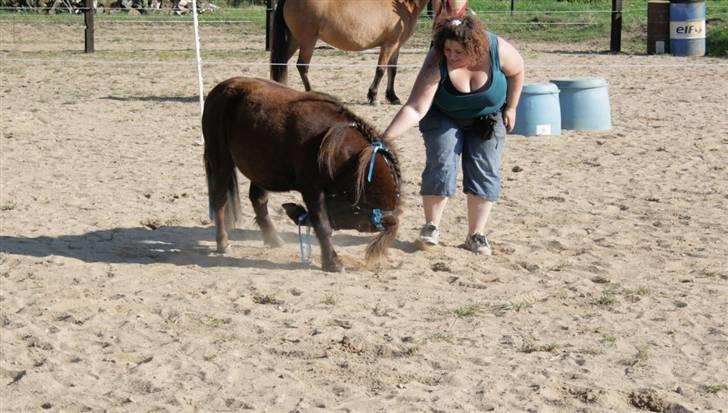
297 213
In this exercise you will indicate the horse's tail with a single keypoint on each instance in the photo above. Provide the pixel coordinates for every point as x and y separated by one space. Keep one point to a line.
280 44
377 248
222 180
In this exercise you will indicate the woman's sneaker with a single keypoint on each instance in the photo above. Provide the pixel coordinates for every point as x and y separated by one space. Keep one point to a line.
478 244
429 235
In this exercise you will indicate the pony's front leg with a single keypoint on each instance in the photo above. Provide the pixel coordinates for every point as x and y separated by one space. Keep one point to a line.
315 202
259 198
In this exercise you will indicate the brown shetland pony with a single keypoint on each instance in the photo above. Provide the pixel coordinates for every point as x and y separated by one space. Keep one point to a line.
351 25
286 140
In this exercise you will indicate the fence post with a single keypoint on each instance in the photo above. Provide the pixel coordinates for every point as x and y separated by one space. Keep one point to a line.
615 44
88 18
268 15
513 7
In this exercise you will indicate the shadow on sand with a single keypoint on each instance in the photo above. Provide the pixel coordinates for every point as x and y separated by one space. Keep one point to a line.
177 99
168 244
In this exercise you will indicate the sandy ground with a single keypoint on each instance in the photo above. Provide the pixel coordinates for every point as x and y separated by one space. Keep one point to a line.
607 290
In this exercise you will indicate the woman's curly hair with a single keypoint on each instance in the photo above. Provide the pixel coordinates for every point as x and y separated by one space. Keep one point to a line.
468 31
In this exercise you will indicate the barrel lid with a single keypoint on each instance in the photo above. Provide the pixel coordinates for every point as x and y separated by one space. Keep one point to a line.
580 83
540 88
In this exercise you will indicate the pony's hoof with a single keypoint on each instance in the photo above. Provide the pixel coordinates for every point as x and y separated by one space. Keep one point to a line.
423 246
223 248
373 102
395 101
334 267
274 242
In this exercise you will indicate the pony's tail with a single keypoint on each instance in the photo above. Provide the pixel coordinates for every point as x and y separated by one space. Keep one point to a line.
231 197
281 38
377 248
222 179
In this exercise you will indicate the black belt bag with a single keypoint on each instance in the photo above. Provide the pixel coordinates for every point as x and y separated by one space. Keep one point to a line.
484 126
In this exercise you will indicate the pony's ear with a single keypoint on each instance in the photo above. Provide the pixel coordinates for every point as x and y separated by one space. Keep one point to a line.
330 145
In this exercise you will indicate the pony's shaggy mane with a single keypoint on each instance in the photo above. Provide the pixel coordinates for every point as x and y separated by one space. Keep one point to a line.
334 139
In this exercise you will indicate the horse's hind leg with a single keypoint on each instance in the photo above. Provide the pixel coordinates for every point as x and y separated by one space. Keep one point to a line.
305 54
374 87
386 54
259 199
391 73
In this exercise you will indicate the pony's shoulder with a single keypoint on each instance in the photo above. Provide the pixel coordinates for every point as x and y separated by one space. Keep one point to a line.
326 97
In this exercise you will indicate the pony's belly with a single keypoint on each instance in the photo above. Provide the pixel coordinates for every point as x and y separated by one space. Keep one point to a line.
266 172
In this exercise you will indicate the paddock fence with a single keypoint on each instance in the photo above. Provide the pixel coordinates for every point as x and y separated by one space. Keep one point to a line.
161 32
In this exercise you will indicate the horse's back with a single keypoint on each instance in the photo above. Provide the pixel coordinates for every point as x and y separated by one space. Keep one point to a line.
250 91
351 25
269 129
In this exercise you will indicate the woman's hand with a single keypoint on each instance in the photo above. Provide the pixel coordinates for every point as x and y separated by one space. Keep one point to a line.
509 118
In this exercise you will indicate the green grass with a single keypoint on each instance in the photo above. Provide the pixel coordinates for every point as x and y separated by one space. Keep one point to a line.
569 21
607 299
715 388
7 206
716 43
533 348
559 21
466 311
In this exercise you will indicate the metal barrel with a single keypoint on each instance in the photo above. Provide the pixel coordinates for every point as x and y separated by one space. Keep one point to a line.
658 26
687 27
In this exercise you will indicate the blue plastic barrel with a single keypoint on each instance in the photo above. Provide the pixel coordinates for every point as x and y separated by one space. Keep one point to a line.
687 27
538 111
584 103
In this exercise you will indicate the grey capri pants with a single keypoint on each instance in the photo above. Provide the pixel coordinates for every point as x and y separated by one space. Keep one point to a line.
447 140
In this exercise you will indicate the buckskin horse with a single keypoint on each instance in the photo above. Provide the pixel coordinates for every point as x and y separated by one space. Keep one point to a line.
348 25
287 140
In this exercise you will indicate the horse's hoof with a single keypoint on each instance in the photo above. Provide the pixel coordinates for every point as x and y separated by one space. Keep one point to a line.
223 248
374 102
395 101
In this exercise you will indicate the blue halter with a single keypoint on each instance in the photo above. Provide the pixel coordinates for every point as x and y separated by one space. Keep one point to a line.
378 145
376 218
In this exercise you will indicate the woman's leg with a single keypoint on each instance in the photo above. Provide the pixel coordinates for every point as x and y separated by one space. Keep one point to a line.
478 213
443 146
481 183
434 206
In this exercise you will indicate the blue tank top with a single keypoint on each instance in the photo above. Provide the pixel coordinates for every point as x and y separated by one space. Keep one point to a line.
484 101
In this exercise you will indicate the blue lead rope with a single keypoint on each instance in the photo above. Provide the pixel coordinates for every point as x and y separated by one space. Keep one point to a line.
377 146
305 260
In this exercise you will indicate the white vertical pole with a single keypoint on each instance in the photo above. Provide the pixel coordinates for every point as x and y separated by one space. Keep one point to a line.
201 139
